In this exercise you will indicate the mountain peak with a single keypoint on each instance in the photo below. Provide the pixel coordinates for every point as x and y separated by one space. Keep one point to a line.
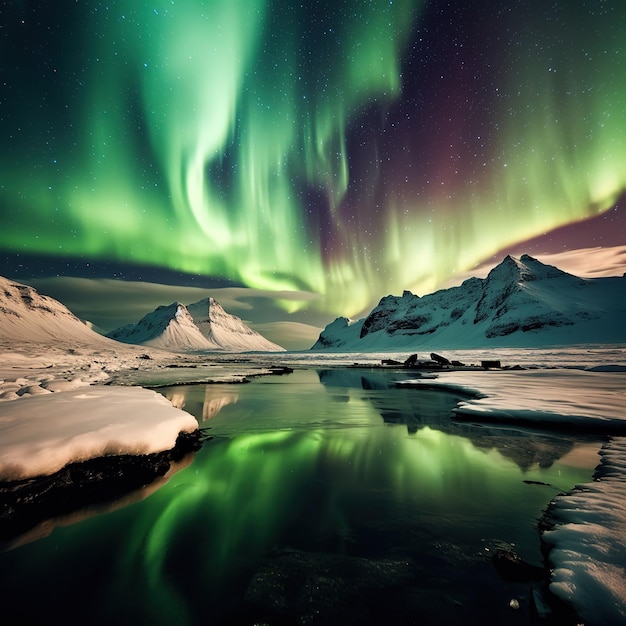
203 325
526 258
226 331
523 269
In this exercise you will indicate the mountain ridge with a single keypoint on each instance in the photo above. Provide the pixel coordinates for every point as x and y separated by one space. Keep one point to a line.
202 325
28 316
522 302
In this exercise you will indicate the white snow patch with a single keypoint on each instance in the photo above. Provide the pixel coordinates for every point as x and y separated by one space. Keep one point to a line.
578 398
40 435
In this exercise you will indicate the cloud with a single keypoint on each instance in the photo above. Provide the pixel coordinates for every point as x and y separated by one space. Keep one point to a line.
290 335
589 262
584 262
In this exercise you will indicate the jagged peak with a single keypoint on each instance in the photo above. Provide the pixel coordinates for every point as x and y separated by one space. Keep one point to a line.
342 321
522 269
526 258
172 310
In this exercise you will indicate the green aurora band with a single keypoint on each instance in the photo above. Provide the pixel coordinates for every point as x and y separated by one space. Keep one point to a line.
293 148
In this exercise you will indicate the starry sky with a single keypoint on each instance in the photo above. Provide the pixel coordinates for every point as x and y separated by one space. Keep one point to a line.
304 159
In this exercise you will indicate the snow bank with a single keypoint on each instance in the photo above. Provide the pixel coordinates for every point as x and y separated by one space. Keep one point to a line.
588 548
41 434
565 398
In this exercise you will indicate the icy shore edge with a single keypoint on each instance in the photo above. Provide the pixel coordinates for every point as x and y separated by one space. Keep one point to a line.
585 545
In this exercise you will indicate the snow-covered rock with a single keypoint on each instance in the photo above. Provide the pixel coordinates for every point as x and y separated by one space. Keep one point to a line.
85 424
203 325
522 302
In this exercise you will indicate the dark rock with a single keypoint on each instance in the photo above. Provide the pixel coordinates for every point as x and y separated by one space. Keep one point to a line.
390 362
411 323
411 361
491 365
439 359
512 568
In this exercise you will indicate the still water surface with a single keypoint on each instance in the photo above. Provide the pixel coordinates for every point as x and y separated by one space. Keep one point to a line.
324 496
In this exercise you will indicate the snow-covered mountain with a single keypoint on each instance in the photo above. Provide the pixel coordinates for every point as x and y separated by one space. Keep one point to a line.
522 302
28 316
169 327
226 331
203 325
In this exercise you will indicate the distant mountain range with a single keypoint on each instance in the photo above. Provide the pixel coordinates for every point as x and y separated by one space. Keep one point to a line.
203 325
28 316
521 303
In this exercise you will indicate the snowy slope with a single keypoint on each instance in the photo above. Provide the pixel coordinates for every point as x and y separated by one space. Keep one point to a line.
522 302
203 325
27 316
226 331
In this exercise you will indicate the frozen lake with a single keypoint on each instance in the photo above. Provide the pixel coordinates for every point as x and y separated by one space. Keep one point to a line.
325 496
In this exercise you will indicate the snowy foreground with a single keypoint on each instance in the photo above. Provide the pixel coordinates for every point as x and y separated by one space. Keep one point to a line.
56 410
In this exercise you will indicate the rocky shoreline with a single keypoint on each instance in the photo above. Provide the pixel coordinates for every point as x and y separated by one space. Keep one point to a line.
26 503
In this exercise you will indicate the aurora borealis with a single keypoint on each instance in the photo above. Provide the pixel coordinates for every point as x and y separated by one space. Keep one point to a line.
348 149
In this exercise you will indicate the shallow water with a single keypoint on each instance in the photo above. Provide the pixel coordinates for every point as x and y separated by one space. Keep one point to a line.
325 496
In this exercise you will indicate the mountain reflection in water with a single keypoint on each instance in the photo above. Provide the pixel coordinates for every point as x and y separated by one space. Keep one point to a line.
308 477
418 408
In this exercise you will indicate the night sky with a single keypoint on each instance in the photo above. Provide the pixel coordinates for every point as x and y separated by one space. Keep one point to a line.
323 153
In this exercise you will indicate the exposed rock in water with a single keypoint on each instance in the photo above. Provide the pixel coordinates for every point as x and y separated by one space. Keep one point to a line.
411 361
512 568
442 360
